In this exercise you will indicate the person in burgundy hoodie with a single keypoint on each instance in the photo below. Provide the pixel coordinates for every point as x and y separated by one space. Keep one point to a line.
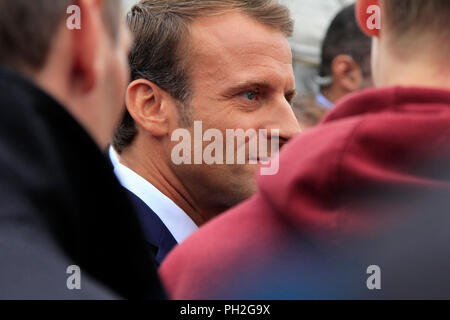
366 166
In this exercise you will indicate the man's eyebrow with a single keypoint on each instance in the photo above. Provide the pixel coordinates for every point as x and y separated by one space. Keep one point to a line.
256 83
249 84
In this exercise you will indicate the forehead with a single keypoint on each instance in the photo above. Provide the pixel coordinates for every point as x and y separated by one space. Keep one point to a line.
233 47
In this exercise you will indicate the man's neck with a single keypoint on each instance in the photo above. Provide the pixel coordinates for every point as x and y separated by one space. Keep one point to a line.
154 169
426 68
414 76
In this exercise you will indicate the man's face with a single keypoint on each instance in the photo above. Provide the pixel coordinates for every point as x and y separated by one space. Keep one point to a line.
241 77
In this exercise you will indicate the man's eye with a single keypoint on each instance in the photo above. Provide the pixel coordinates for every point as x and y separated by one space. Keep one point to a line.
251 95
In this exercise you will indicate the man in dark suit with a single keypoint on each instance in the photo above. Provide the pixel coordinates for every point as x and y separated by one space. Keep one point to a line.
67 229
188 68
146 198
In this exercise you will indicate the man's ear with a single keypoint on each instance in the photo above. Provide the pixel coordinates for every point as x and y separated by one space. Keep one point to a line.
144 101
347 73
368 16
86 44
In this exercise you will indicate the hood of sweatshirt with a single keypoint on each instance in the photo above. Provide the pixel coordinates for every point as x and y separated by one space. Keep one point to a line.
376 153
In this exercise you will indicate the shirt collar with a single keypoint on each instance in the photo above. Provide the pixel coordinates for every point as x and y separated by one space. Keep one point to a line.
323 101
174 218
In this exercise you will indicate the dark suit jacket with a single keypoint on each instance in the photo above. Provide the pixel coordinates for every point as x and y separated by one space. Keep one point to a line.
160 240
61 205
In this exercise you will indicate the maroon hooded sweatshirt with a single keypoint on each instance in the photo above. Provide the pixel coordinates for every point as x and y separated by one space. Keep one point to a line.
373 155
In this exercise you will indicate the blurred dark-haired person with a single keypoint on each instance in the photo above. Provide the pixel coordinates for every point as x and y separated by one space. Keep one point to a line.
67 229
344 69
345 60
226 64
366 167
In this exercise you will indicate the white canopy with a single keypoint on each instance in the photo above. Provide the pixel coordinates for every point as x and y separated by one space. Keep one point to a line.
312 18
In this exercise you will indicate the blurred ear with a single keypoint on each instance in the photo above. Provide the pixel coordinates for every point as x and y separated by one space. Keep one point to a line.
144 101
347 73
368 16
86 45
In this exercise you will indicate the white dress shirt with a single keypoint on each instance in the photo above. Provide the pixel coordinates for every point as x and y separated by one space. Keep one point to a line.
174 218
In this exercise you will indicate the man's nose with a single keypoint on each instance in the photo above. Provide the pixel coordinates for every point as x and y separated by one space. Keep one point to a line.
286 122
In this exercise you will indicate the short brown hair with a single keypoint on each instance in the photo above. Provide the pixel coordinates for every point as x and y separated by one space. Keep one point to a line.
27 28
409 18
344 36
161 30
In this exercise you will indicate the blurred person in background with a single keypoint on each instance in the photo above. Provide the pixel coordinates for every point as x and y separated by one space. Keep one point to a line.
227 64
344 68
67 229
345 60
372 163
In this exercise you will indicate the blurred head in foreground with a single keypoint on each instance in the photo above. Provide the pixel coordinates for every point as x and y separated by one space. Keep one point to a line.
65 222
411 41
85 68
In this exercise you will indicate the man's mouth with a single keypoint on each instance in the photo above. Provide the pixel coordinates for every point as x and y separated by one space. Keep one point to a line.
260 161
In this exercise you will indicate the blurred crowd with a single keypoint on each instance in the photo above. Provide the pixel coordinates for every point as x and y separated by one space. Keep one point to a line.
94 110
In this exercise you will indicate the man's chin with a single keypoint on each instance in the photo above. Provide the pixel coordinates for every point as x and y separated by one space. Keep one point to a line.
246 186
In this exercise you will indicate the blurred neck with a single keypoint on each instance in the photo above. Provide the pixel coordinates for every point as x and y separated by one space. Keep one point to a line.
412 67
